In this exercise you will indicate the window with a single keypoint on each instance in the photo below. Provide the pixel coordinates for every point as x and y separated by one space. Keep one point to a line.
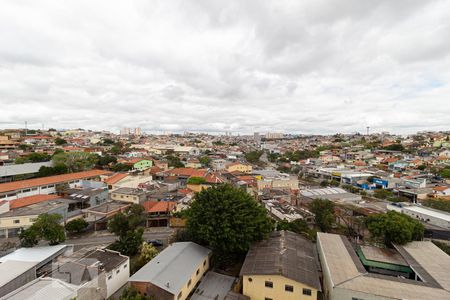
204 263
109 277
124 266
250 279
354 298
26 191
189 282
269 284
307 292
16 221
117 272
198 271
268 298
288 288
179 295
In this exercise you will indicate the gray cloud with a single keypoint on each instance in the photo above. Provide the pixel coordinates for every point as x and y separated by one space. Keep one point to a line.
244 66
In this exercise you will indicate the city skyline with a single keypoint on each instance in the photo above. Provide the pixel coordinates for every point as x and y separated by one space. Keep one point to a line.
282 66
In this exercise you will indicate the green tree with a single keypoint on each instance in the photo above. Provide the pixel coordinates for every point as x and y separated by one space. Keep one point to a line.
59 141
75 161
196 180
395 147
205 160
298 226
33 158
253 156
77 225
323 211
394 227
46 227
174 161
148 252
28 238
227 219
382 194
127 227
49 171
445 173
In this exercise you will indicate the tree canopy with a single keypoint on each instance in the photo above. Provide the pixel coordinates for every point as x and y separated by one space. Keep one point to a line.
75 161
128 227
46 227
323 211
33 158
394 227
227 219
76 226
253 156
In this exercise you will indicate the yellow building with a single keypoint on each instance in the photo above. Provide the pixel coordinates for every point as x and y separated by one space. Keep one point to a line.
173 273
238 167
283 267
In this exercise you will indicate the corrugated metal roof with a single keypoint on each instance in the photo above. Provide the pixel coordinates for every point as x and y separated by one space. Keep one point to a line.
284 253
173 267
20 169
44 289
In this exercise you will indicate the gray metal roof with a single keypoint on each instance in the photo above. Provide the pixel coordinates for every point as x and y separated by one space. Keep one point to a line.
284 253
12 269
28 168
44 289
173 267
214 286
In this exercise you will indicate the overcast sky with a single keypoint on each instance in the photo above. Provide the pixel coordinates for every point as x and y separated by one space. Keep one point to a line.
242 66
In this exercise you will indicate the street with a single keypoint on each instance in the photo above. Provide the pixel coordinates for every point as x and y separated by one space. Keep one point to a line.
104 238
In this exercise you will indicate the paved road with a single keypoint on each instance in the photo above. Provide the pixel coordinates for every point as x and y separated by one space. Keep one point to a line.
105 238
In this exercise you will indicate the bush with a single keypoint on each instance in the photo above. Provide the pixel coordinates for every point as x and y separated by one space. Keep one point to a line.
77 225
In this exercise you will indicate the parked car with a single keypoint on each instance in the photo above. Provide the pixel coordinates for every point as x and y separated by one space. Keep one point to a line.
156 243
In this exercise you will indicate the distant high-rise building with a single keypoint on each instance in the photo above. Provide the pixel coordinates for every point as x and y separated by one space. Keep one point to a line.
125 131
257 138
137 131
274 135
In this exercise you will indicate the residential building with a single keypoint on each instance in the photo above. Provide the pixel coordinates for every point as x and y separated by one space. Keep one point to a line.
173 273
238 167
346 277
283 267
13 221
105 270
125 194
26 264
44 288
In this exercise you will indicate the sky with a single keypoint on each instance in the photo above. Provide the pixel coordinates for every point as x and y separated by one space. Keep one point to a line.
309 66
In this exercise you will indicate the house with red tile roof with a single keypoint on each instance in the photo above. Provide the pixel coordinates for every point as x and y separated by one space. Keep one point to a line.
159 212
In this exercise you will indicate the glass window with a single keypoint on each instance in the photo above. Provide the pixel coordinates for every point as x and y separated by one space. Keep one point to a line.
269 284
307 292
288 288
189 282
16 221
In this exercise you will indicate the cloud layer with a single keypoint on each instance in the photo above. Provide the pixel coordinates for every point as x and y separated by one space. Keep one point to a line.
294 66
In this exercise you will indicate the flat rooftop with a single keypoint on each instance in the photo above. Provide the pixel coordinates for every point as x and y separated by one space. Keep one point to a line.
214 286
383 255
107 207
430 212
36 208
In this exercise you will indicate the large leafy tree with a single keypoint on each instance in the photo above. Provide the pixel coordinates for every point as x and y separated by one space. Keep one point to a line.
323 211
227 219
394 228
128 227
76 226
47 227
75 161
